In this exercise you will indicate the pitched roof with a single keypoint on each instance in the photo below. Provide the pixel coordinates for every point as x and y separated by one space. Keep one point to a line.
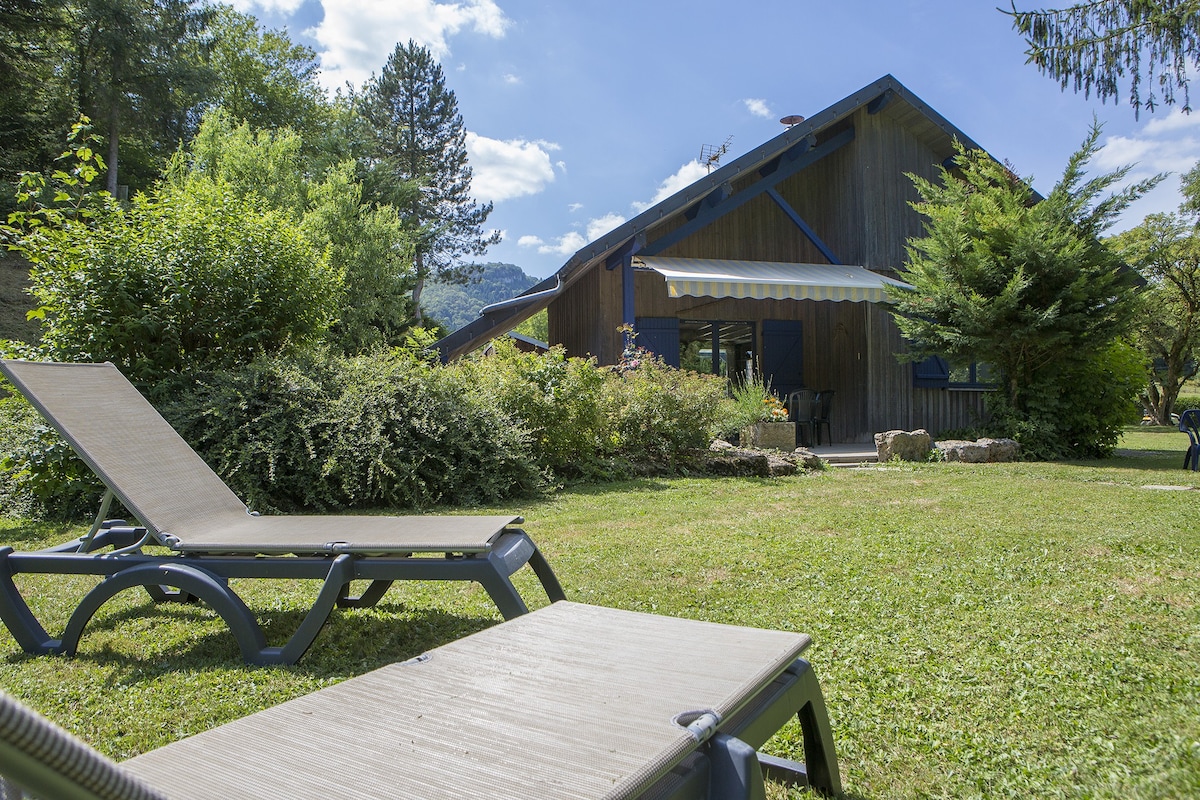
498 318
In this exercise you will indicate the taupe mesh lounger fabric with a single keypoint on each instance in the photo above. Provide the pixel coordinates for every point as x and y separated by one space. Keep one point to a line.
570 701
173 492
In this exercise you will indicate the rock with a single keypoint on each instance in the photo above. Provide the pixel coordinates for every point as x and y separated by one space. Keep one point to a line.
770 436
979 452
1002 449
807 458
778 465
962 450
720 444
904 445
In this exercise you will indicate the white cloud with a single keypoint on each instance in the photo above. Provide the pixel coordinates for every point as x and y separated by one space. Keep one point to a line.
270 6
685 176
570 242
510 79
356 36
758 107
1175 121
602 225
573 207
507 169
565 245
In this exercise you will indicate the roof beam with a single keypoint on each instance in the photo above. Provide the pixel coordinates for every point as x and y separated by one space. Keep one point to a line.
798 157
804 227
881 102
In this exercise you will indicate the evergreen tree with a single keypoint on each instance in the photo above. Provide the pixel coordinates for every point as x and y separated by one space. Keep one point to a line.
420 166
1098 45
1021 284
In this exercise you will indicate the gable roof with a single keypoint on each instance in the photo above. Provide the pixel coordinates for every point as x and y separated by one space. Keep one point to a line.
498 318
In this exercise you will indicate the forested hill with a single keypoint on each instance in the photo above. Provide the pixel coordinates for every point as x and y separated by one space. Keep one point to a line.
455 306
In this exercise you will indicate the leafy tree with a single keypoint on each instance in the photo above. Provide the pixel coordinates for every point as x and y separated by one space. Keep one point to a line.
263 78
264 163
1098 45
420 166
369 246
191 277
35 110
138 64
1165 248
1024 285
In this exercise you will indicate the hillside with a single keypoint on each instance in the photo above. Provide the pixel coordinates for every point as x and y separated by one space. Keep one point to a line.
455 306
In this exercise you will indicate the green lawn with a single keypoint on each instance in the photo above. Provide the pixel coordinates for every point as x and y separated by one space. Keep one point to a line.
1004 630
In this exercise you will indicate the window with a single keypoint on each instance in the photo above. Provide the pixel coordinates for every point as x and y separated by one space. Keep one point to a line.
715 347
935 373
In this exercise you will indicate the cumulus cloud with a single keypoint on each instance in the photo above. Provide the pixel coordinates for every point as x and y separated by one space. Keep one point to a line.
510 79
570 242
356 36
758 107
506 169
686 175
269 6
1169 144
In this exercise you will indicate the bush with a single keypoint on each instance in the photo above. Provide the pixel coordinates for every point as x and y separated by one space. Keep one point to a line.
557 400
659 414
40 476
373 431
326 432
192 278
1078 412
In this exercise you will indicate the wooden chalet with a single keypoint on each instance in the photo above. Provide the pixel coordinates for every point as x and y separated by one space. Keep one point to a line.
782 257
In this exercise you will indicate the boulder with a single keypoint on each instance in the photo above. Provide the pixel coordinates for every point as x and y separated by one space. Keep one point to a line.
980 451
770 436
904 445
807 458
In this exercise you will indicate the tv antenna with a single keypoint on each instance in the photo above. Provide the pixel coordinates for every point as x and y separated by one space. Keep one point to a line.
710 154
792 119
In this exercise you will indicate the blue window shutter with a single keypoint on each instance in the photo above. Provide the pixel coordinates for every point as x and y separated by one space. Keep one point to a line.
932 373
659 335
782 356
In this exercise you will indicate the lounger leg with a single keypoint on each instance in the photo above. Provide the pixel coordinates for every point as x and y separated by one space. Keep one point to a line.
211 589
369 598
21 622
735 772
796 692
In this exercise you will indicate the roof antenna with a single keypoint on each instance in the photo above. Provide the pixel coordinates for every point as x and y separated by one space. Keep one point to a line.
710 154
792 119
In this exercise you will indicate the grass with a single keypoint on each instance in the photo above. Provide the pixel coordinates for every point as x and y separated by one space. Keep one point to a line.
1004 630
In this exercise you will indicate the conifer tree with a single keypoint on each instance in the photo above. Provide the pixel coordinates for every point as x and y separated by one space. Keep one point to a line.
1099 45
420 166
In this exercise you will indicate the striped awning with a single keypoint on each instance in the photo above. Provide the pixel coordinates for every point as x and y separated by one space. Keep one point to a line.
762 280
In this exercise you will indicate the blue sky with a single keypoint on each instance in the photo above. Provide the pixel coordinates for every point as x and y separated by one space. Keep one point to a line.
580 113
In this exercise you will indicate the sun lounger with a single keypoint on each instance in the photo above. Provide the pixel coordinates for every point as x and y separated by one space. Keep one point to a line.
210 536
570 701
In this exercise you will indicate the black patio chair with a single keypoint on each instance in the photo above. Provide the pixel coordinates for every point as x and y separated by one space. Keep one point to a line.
821 410
1189 423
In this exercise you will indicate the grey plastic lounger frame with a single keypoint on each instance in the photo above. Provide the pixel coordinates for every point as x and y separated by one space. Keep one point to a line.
570 701
184 506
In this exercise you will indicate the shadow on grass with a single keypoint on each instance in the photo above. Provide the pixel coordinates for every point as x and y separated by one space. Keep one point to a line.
191 637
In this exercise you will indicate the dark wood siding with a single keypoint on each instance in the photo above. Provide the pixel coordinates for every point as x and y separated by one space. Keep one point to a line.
856 199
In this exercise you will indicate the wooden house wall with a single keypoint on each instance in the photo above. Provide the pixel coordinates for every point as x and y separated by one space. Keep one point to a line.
857 200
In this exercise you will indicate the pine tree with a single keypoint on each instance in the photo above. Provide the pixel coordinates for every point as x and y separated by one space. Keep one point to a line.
420 166
1098 45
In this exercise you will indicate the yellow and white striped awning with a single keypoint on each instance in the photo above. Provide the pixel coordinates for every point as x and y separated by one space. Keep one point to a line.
762 280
